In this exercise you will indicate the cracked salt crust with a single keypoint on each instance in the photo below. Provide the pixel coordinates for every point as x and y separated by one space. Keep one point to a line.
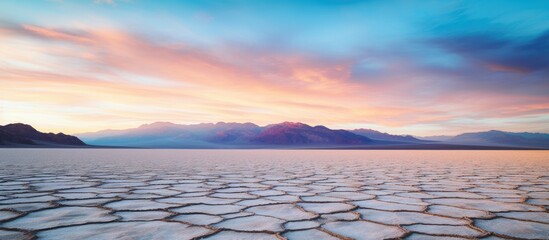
344 196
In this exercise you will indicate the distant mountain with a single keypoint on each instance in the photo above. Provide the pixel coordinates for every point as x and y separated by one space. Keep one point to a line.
22 134
501 138
249 135
8 138
220 135
288 133
295 134
377 135
170 135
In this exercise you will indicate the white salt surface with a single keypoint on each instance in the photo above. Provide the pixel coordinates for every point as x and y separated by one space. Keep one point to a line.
273 194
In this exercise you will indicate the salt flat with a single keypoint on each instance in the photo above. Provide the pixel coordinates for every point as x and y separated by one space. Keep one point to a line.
273 194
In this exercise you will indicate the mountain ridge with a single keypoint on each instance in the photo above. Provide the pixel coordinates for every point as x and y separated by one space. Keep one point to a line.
16 134
222 133
377 135
236 135
502 138
250 135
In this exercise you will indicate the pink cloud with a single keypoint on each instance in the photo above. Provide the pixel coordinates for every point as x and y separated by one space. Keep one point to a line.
93 68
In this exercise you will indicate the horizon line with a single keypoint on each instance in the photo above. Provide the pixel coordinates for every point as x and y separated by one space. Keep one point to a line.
266 125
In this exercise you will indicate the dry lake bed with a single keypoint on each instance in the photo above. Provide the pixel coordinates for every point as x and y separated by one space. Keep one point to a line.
273 194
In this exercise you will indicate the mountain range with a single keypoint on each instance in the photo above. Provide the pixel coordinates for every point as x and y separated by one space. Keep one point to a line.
501 138
224 135
22 135
249 135
295 134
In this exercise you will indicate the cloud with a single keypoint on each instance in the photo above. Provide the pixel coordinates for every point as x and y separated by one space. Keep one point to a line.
499 53
89 74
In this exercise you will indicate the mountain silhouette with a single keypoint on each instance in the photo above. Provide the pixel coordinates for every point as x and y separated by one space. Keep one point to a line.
501 138
250 135
23 134
222 134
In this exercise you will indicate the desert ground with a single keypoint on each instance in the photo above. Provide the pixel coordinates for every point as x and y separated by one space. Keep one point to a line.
273 194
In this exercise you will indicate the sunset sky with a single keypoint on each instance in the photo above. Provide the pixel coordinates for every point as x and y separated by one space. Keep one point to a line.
406 67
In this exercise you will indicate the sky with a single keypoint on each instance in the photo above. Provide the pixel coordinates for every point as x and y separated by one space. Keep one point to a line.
404 67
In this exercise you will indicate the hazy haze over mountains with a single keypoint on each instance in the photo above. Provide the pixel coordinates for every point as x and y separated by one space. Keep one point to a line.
244 135
162 134
500 138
